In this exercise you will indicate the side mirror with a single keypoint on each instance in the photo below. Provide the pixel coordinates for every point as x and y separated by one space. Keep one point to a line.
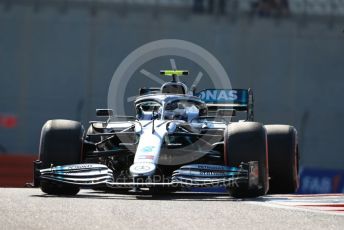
104 112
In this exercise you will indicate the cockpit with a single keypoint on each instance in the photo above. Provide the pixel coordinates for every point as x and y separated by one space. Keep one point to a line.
170 102
184 109
170 109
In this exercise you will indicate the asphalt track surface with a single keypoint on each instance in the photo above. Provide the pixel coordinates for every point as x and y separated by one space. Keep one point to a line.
31 209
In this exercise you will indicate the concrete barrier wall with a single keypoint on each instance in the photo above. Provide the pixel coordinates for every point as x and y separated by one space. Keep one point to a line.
58 64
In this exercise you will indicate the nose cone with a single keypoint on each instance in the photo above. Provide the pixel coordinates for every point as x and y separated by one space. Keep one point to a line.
142 169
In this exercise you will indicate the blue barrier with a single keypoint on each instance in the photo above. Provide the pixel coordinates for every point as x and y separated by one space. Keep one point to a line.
315 180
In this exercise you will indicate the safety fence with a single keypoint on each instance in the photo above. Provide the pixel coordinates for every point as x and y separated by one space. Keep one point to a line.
260 7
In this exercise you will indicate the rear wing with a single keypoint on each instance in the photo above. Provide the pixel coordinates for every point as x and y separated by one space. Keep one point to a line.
219 100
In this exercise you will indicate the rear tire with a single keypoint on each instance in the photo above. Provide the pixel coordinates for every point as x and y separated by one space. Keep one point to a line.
283 158
60 144
244 142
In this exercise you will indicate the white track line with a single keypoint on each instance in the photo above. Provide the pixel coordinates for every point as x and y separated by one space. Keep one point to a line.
332 204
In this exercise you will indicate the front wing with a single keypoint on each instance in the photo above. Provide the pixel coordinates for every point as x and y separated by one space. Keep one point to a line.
193 175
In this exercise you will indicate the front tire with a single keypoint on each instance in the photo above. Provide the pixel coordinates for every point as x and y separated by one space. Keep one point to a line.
60 144
245 142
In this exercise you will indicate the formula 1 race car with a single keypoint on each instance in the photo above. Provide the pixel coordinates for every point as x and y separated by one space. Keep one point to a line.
178 139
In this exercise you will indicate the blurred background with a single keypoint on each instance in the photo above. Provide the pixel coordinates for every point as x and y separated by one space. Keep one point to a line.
57 58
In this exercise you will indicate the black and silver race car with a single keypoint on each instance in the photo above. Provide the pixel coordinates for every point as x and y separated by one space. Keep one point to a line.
177 140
